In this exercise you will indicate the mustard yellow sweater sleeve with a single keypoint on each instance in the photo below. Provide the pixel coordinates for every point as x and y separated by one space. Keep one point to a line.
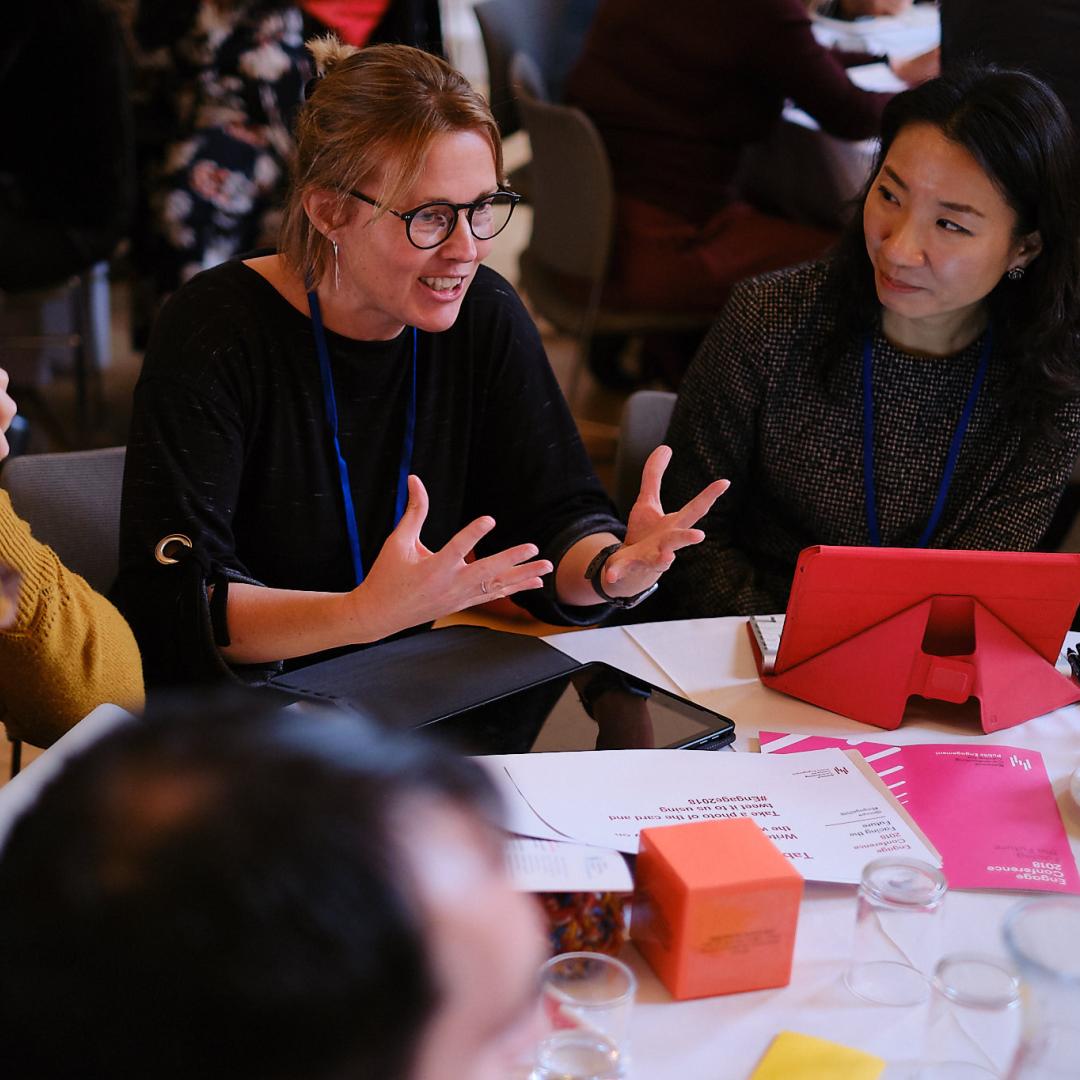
68 650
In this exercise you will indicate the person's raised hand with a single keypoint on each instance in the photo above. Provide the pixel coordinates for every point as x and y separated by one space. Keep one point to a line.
410 584
854 9
653 537
7 413
918 69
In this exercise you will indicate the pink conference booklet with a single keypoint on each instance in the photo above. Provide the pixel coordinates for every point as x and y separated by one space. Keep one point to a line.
989 810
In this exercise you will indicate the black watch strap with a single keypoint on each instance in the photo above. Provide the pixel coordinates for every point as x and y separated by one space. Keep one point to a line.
594 571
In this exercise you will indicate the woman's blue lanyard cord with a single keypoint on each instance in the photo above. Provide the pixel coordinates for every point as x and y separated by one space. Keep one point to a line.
330 408
954 446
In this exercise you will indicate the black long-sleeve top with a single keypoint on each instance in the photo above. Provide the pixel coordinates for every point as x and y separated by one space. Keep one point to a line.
754 408
229 447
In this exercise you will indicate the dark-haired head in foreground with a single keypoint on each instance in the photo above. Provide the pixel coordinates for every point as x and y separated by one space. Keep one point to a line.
973 129
238 892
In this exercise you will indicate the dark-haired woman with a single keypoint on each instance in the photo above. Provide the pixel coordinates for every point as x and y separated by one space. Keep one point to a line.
921 387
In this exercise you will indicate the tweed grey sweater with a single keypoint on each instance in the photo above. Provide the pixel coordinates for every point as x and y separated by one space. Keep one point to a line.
753 408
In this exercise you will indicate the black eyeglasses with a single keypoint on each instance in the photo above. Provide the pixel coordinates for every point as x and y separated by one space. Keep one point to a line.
430 225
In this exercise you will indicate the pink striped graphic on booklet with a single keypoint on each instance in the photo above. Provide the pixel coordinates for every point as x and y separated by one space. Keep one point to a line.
989 810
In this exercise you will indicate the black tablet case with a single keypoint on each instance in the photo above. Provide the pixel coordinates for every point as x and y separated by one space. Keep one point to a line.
427 677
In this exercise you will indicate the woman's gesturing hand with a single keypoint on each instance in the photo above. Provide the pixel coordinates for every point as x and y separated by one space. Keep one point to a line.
7 412
653 537
409 584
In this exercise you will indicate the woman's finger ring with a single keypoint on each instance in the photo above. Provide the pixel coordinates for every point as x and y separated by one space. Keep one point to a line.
483 587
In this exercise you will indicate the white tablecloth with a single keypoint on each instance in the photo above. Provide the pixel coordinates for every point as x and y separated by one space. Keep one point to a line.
722 1038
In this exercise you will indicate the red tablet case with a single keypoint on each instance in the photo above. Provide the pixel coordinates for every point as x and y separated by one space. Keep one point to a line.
867 628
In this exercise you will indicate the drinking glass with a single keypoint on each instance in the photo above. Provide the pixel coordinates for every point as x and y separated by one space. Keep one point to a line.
971 1021
587 998
897 931
1043 939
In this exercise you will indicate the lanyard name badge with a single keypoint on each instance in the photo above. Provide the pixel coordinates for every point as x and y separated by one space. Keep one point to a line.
330 407
954 445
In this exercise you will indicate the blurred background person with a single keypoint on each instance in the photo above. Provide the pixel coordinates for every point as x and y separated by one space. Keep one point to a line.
231 891
353 21
677 100
220 82
369 22
219 85
858 9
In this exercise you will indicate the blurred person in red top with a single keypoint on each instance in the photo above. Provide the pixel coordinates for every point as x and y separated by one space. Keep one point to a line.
859 9
677 100
369 22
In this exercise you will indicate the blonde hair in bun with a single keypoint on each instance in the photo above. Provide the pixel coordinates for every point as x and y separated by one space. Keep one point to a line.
367 125
328 52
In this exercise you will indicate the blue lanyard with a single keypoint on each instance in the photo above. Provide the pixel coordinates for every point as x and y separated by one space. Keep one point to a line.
330 406
954 446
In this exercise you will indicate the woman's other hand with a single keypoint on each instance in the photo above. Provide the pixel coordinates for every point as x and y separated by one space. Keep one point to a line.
858 9
9 579
653 537
409 584
918 69
7 413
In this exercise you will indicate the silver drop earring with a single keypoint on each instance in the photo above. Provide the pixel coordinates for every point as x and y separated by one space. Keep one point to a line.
1014 273
337 274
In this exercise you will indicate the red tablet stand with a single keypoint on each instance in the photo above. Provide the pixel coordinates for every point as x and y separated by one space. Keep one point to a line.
946 648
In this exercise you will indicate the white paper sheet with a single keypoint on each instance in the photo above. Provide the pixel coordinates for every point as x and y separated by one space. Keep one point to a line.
820 809
613 645
549 866
876 77
912 31
689 655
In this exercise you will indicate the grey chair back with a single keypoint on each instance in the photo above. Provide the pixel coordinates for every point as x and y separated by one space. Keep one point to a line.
565 265
573 195
72 503
550 32
644 423
507 27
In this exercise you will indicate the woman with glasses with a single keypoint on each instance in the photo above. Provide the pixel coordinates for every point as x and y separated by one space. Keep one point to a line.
324 437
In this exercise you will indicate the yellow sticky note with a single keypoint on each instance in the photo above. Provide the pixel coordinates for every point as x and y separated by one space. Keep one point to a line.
803 1057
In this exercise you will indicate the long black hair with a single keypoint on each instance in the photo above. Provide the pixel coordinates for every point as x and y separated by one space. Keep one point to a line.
1015 127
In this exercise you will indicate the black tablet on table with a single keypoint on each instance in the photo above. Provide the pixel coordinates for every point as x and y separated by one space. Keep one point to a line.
488 692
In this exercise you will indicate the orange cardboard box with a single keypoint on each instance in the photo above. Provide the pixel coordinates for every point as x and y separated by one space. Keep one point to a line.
715 907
